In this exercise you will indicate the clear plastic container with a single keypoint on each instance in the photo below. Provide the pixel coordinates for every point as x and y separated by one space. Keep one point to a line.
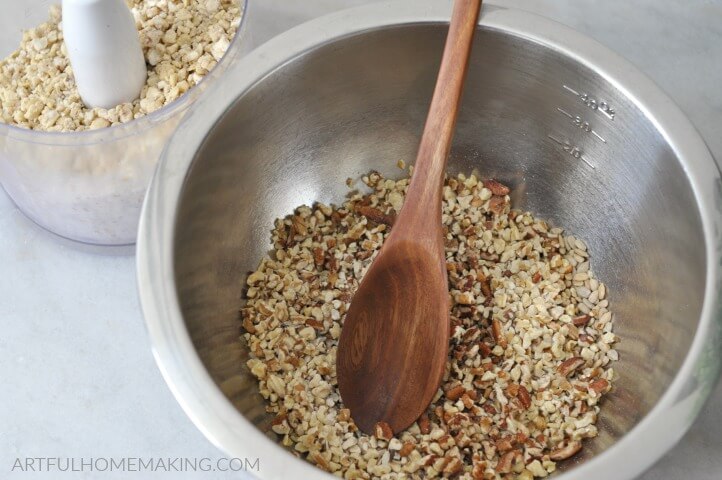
89 186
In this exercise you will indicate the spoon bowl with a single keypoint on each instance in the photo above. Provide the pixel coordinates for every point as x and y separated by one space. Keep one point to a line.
398 311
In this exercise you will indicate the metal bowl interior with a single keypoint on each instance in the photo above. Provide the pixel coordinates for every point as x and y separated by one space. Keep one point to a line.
576 143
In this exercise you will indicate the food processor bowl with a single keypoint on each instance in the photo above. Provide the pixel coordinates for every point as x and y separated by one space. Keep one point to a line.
89 186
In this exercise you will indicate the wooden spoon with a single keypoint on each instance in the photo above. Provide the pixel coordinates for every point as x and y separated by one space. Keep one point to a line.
394 344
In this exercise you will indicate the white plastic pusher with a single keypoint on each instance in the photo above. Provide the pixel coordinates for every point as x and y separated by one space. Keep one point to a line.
104 50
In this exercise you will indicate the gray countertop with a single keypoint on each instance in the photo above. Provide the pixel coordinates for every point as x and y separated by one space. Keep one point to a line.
78 377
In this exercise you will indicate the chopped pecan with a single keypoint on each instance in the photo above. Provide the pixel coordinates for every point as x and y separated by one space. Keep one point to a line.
406 449
513 389
496 187
453 467
497 204
290 237
332 264
376 215
498 335
248 325
478 471
506 462
471 334
504 445
524 397
569 366
565 452
455 393
445 442
486 289
424 424
382 431
599 385
312 322
457 419
581 320
279 419
320 461
299 224
489 257
462 439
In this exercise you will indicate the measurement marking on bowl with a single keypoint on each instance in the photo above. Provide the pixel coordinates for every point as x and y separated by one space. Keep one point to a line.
593 103
572 150
579 122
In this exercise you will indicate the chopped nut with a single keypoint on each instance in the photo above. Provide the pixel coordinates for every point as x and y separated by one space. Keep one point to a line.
525 475
383 431
465 298
318 459
175 64
395 444
318 256
478 472
599 385
406 449
504 445
506 462
524 396
453 467
498 335
496 188
569 366
314 324
279 419
537 469
455 393
424 424
496 205
516 384
376 215
565 452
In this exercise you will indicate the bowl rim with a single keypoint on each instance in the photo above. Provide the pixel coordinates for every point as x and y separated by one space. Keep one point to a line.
190 382
146 122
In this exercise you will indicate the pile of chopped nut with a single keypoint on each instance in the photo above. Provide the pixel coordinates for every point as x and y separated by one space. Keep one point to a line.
182 41
530 352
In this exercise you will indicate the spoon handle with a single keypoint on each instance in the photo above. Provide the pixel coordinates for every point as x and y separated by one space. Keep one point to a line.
426 186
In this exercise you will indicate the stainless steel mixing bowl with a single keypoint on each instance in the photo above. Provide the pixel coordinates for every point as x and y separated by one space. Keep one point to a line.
583 137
